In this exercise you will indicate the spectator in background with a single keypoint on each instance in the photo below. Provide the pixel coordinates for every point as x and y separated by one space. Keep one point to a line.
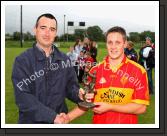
130 51
86 40
73 57
147 60
81 66
89 61
93 50
78 47
86 44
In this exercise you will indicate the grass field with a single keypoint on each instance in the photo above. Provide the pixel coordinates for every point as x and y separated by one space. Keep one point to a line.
11 111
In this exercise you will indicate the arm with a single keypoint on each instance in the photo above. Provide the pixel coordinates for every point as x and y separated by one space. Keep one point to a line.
25 97
76 112
131 108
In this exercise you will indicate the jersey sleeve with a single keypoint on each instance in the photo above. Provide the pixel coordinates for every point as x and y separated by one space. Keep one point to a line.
141 90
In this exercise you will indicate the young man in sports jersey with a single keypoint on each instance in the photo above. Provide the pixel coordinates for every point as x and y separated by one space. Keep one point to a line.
121 85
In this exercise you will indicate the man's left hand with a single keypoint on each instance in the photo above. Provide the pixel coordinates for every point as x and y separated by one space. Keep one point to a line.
88 96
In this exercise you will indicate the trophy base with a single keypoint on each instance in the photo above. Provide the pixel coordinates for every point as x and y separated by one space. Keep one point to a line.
86 105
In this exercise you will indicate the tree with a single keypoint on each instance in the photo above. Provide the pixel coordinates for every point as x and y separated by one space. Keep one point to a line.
144 34
28 36
80 33
95 33
8 36
134 36
66 37
16 35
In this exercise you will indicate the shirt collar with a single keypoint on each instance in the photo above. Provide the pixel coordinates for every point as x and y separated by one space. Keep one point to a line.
40 54
40 49
107 65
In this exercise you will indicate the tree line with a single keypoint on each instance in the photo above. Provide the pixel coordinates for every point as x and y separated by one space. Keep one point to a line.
93 32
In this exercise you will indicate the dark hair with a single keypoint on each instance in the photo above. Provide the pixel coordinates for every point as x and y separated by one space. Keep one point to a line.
47 15
76 43
116 29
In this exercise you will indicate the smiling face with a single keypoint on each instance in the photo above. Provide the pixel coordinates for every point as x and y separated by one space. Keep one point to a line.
45 32
115 45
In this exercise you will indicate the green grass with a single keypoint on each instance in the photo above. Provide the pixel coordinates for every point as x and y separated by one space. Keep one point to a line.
149 116
11 110
27 44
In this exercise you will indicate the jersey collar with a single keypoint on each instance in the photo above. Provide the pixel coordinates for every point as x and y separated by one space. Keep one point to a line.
107 65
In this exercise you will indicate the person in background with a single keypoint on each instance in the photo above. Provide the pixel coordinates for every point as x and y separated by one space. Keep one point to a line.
78 47
93 50
89 61
73 57
81 66
147 60
86 44
130 51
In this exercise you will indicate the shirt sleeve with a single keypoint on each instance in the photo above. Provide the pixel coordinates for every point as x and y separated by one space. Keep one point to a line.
141 90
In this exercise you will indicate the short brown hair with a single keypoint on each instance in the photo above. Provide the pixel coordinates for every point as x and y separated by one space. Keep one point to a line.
131 43
117 29
47 15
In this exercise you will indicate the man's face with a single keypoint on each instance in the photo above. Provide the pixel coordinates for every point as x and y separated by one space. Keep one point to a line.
115 45
45 31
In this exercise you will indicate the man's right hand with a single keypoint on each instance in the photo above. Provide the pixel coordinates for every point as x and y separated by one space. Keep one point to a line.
62 118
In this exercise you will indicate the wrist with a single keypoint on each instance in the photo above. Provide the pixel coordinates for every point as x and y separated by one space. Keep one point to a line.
54 121
110 107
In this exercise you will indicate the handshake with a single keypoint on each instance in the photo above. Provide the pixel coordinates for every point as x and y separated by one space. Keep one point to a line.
62 118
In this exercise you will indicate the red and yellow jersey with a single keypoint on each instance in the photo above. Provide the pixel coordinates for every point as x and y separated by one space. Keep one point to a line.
123 84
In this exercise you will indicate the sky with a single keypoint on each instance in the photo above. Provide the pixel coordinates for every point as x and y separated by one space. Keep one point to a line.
132 16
